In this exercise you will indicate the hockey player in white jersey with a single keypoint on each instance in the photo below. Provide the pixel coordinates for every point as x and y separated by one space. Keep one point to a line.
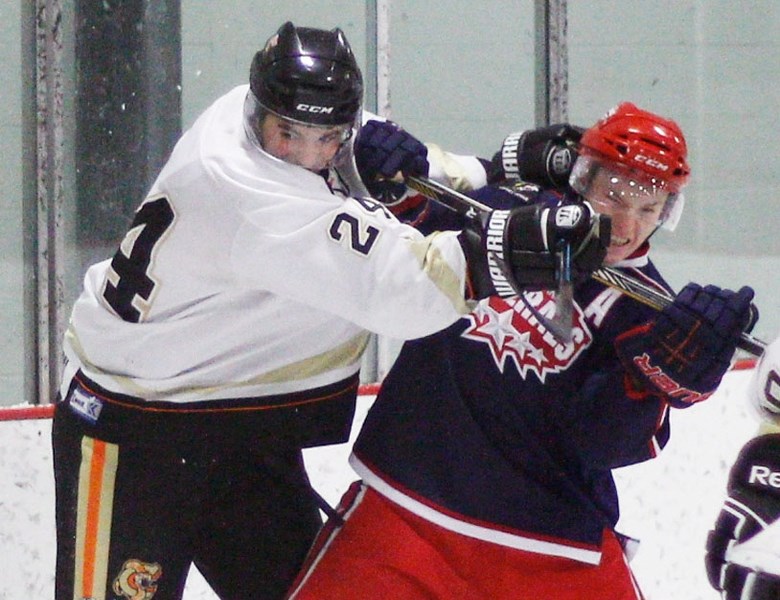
743 549
226 333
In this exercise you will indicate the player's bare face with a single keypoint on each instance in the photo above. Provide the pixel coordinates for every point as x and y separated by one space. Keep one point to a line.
310 147
635 210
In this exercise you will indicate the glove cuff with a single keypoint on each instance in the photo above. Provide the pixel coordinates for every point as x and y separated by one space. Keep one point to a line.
484 250
479 282
543 156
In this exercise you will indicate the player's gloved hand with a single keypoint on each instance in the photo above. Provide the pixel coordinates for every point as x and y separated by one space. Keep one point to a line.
544 156
382 150
515 250
743 557
687 349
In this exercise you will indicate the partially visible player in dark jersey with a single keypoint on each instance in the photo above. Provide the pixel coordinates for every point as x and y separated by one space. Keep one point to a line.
486 459
743 548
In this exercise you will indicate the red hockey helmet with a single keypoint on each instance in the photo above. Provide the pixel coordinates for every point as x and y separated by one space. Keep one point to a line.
642 141
638 145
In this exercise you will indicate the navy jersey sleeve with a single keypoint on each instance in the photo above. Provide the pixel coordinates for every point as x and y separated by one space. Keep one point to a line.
612 426
614 423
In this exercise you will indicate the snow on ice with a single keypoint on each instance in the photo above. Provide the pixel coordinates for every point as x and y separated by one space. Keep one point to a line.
668 503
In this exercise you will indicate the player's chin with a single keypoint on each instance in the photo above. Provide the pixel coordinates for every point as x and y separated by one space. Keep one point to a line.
616 255
315 167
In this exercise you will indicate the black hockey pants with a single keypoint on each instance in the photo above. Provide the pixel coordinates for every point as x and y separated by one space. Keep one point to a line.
139 503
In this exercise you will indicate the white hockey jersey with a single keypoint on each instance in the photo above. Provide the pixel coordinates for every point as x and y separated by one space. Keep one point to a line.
245 276
764 387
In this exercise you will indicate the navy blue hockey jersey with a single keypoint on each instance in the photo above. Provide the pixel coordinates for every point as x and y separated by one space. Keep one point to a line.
494 428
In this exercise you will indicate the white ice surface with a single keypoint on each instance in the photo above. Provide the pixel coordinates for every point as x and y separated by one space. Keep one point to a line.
669 503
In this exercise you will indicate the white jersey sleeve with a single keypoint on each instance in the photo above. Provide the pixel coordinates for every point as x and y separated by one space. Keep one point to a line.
244 275
764 387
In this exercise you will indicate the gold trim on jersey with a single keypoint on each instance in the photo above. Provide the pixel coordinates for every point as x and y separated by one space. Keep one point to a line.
457 176
343 355
440 272
97 476
768 427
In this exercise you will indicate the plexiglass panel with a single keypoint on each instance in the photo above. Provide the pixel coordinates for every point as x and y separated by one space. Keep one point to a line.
12 306
463 76
710 65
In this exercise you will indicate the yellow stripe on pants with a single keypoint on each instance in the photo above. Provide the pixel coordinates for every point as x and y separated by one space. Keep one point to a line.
97 475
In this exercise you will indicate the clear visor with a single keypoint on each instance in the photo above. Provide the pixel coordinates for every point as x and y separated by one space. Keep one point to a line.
253 118
613 188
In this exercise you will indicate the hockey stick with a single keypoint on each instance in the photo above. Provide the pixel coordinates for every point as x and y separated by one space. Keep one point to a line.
630 286
659 300
560 324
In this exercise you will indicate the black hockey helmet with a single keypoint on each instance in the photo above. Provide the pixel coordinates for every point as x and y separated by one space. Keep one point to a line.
308 75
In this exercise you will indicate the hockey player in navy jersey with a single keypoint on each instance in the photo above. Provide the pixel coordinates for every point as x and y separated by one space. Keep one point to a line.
743 548
486 460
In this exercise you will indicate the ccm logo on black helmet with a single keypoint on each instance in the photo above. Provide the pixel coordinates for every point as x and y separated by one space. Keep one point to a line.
312 108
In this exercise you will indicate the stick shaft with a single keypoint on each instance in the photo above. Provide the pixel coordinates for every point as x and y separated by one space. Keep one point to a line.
630 286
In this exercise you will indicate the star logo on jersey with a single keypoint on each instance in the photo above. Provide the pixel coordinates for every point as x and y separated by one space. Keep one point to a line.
514 334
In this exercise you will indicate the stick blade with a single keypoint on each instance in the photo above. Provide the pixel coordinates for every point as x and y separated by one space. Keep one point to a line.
563 320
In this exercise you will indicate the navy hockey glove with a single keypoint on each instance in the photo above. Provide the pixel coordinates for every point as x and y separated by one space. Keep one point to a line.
686 350
514 250
544 156
739 571
383 149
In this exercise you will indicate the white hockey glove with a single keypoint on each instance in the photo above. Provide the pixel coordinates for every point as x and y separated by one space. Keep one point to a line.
743 549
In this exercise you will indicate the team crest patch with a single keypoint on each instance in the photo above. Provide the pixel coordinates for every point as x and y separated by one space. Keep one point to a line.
85 404
515 335
137 580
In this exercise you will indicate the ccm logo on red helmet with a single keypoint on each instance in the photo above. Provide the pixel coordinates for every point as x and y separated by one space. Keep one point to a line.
764 476
312 108
651 162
